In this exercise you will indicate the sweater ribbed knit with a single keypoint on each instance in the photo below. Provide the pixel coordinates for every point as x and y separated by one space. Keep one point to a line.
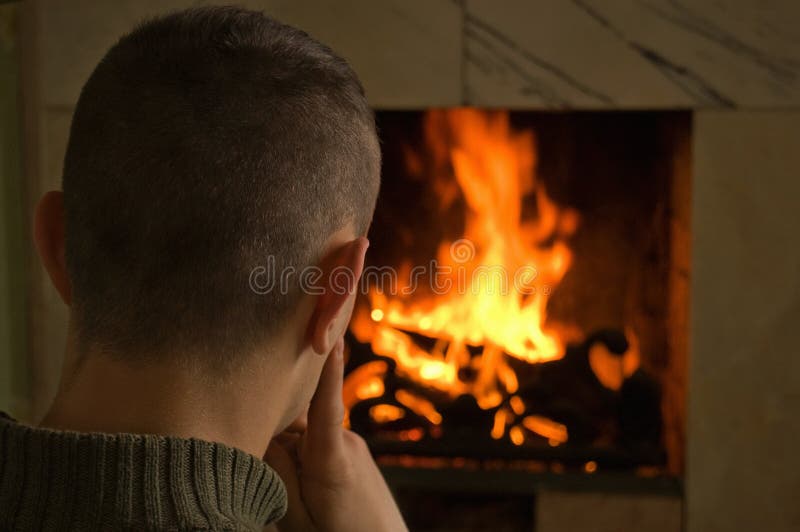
58 480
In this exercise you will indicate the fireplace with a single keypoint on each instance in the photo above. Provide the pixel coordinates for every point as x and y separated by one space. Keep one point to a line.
731 68
524 302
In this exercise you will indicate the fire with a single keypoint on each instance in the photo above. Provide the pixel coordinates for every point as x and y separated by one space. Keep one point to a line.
500 274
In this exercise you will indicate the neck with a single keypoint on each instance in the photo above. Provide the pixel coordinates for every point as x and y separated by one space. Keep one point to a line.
105 394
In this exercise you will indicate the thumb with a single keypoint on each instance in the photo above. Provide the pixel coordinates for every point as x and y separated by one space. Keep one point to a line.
326 412
280 459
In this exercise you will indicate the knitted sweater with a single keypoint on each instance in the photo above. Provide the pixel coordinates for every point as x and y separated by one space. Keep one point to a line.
55 480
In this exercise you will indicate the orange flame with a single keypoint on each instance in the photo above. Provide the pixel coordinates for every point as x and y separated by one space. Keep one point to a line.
501 272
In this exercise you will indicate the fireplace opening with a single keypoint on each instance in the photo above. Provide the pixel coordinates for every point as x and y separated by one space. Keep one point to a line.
526 293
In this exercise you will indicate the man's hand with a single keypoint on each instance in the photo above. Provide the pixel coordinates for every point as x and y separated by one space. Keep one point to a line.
332 481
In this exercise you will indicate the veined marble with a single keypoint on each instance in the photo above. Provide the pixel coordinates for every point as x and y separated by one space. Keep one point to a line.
632 53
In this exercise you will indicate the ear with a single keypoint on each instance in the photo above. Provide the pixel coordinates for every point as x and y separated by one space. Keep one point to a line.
48 234
342 269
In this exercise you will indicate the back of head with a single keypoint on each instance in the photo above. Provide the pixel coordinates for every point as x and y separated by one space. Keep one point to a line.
203 143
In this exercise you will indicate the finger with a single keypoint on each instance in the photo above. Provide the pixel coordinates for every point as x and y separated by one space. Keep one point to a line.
326 411
299 424
288 440
279 459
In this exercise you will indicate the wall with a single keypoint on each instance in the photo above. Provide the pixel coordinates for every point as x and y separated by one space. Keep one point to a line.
14 376
744 392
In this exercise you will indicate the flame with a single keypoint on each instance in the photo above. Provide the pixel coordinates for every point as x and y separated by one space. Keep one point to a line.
501 272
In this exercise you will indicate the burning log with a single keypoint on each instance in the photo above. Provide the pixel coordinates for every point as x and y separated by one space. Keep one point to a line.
561 403
475 365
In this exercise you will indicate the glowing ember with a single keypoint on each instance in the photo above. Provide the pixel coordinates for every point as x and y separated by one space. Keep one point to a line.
517 405
553 431
501 417
386 413
364 382
419 406
517 435
610 369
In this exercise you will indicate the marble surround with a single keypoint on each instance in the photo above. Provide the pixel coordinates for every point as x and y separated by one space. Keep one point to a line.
632 54
736 63
587 54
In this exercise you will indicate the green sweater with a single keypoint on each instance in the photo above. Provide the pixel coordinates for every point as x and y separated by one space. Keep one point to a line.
53 480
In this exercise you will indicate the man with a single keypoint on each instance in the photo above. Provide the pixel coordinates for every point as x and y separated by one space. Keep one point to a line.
206 145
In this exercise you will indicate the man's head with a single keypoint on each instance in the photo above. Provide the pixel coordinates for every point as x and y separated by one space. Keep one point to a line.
204 143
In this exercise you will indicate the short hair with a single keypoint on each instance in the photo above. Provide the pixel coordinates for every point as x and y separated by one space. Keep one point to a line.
205 142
